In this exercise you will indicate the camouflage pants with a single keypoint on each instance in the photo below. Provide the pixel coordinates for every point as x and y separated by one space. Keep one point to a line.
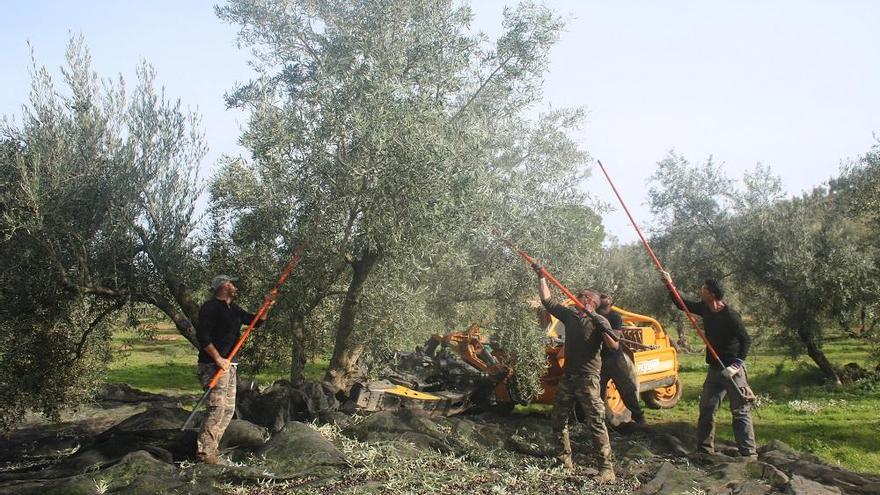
582 390
221 407
714 389
620 368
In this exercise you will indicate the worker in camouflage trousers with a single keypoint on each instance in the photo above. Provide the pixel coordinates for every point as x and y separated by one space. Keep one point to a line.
584 334
217 330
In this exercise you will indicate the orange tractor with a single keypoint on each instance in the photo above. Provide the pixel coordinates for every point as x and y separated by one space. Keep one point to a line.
460 370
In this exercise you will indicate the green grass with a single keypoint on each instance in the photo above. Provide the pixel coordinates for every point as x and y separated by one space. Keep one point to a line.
839 425
167 363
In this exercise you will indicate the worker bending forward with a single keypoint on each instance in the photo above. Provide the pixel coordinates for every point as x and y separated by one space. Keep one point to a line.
617 365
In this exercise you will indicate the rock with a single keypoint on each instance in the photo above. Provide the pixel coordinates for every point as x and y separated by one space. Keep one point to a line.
779 459
270 409
244 434
300 450
668 479
281 403
706 459
803 486
869 488
769 472
405 427
777 445
137 473
314 399
749 487
124 393
637 451
673 444
154 418
342 420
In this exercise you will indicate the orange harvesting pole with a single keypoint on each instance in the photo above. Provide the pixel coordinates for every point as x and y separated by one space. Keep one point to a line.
550 278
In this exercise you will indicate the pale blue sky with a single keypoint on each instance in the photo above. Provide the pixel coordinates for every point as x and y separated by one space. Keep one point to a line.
792 84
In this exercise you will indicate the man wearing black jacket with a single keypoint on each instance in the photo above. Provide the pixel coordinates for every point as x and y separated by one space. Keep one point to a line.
617 365
217 330
724 329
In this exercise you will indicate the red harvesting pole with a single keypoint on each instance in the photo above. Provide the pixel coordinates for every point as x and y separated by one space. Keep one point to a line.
679 301
533 262
544 273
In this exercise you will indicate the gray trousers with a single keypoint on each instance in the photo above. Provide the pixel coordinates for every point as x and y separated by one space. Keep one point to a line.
714 389
620 368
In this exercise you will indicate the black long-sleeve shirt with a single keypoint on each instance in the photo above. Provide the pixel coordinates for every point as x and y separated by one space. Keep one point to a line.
583 338
220 324
724 330
616 323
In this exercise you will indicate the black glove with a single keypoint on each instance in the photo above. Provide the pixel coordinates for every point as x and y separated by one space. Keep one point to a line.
538 269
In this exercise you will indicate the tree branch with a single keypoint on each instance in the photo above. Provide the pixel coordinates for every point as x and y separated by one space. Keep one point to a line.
80 347
482 87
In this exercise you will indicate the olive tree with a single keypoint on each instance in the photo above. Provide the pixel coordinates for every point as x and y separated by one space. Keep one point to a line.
798 263
403 136
97 187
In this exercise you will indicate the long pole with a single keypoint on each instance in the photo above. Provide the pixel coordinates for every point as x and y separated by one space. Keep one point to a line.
544 273
264 309
671 286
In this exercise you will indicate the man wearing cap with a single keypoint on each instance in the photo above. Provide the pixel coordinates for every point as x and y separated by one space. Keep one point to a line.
217 330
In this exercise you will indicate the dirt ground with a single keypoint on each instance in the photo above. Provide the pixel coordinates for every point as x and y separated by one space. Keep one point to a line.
129 442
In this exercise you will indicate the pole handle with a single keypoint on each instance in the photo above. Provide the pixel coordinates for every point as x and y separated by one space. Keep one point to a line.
195 410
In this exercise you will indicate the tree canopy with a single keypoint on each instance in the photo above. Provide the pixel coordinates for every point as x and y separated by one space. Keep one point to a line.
97 197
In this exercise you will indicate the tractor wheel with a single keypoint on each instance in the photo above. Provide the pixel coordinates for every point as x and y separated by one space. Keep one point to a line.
616 412
663 397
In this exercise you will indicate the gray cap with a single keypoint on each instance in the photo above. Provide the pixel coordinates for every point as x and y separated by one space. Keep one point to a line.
219 279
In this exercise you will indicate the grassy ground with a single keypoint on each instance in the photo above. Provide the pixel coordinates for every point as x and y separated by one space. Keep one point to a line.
839 425
167 363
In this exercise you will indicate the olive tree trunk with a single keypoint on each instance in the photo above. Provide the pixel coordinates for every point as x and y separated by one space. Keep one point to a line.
343 370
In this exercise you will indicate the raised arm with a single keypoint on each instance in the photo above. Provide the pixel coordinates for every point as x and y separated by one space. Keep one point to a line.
695 307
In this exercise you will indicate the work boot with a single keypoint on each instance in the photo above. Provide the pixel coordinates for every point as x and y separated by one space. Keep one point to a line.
605 476
640 420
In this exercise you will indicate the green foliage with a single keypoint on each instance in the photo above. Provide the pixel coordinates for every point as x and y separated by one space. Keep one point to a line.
859 186
797 263
96 202
406 137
